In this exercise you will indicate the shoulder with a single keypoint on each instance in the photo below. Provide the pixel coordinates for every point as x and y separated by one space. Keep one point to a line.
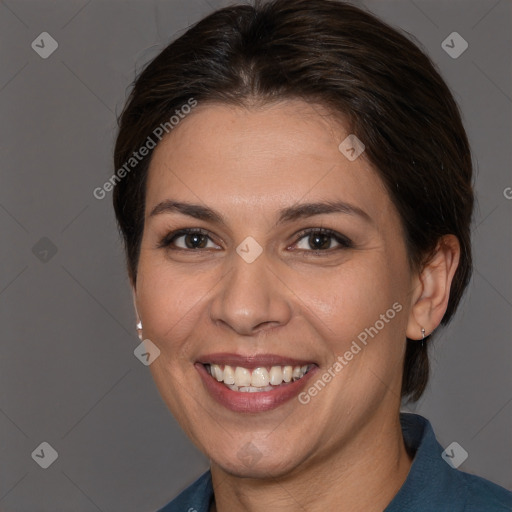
434 484
485 496
195 498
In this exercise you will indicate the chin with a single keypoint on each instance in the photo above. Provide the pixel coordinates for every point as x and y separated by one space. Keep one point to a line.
246 460
261 470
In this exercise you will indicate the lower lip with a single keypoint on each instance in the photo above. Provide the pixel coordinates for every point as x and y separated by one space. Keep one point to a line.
259 401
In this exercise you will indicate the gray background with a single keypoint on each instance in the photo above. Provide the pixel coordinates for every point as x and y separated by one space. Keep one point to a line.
68 375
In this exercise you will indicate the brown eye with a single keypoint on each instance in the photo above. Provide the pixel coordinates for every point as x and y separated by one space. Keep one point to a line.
194 241
321 240
188 239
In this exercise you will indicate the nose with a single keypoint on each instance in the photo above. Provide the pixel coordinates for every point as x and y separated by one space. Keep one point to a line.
251 298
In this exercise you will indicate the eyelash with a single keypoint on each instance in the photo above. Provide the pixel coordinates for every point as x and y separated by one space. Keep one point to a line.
343 241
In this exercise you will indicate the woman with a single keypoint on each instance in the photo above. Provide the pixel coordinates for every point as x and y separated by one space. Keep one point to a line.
295 196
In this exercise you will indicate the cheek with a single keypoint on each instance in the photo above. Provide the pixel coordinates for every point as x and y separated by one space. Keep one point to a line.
170 300
345 300
359 315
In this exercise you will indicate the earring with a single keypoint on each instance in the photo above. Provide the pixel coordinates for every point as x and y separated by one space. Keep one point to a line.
139 330
422 337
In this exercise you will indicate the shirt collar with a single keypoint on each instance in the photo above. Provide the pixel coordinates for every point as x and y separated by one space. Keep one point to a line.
429 482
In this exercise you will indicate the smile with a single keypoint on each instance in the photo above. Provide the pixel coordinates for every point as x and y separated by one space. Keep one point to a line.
245 380
253 384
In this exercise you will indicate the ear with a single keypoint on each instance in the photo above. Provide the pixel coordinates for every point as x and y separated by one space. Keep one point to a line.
134 298
431 288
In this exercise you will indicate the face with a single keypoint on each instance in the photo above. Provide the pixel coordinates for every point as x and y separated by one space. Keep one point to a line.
294 257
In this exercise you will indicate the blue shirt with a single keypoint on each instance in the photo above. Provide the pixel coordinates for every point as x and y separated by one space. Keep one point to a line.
432 485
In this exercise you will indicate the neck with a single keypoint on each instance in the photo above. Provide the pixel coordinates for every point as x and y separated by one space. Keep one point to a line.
362 475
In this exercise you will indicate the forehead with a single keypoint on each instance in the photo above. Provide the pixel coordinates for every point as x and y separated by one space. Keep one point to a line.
260 160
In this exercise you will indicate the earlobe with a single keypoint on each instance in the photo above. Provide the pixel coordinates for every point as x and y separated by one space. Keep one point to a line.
431 288
138 320
134 298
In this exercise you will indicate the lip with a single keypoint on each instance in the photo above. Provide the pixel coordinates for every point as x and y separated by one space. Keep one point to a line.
251 361
259 401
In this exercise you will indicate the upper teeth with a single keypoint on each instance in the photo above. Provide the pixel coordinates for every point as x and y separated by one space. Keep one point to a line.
258 377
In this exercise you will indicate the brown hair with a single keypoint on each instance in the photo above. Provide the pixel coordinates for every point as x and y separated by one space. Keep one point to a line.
344 58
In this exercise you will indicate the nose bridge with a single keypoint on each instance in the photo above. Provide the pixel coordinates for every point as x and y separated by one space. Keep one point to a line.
251 296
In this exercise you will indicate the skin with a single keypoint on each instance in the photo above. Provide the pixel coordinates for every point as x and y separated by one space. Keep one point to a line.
344 449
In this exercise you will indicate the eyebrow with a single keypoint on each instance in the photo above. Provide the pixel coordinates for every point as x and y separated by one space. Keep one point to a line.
288 214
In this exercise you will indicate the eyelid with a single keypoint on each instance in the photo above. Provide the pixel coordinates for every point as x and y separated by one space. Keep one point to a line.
342 240
169 238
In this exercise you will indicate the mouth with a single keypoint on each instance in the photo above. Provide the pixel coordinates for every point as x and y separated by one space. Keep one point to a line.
260 379
253 384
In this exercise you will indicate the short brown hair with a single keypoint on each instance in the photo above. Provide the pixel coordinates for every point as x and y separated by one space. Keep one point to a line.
337 55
